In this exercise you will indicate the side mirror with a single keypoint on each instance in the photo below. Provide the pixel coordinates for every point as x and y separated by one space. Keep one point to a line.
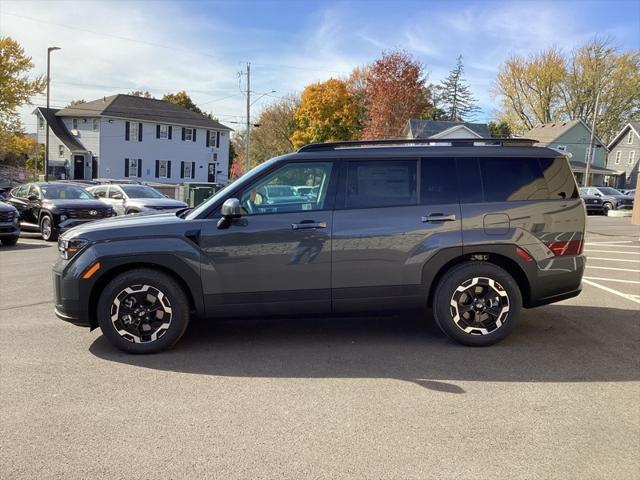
32 198
117 196
96 196
230 210
598 194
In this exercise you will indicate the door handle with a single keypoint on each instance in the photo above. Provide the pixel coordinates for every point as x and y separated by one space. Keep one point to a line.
439 217
308 224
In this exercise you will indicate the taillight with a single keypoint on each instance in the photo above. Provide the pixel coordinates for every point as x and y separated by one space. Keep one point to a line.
570 247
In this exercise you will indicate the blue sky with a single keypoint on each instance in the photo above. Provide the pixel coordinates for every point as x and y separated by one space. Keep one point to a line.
115 46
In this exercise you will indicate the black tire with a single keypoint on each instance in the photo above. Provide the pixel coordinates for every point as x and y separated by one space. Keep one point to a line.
173 296
9 241
482 333
47 229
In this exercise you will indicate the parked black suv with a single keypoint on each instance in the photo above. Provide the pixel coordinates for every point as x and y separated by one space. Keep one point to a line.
51 208
475 232
9 224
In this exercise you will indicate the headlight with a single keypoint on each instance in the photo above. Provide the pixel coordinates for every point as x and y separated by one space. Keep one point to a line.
68 248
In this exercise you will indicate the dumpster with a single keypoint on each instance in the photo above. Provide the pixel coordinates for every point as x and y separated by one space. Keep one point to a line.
196 193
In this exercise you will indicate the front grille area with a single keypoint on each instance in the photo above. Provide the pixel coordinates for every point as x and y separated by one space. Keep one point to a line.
6 217
163 208
87 213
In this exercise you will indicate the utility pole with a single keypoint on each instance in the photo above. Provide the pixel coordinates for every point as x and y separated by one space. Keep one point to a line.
248 137
46 148
593 133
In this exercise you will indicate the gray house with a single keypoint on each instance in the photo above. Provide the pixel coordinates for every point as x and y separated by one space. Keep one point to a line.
573 136
624 156
129 137
439 129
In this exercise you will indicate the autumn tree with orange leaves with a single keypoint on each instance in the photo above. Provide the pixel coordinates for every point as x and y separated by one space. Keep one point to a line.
395 92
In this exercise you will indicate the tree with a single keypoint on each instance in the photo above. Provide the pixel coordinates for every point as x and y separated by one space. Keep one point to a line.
550 87
454 95
434 111
357 88
395 92
499 129
276 127
16 88
145 94
326 113
184 100
73 103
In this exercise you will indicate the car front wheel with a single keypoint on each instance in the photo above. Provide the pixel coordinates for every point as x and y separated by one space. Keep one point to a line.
47 230
477 303
143 311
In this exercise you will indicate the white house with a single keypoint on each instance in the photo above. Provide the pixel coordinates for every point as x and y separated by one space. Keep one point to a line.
443 129
129 137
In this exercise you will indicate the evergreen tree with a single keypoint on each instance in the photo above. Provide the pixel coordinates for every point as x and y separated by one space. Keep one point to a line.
455 97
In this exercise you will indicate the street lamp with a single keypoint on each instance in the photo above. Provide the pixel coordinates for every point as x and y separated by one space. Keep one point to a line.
46 146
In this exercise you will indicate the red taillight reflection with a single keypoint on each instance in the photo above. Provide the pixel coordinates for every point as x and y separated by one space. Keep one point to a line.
524 254
571 247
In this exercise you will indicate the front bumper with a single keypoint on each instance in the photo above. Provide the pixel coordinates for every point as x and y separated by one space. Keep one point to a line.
9 229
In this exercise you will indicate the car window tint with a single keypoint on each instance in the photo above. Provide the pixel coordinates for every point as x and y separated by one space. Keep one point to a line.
100 192
511 179
469 180
381 184
438 181
33 190
560 181
276 193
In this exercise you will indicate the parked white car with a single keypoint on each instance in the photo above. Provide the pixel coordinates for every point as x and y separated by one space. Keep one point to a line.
135 198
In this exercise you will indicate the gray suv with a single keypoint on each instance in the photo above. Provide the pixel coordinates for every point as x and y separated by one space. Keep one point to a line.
473 232
129 198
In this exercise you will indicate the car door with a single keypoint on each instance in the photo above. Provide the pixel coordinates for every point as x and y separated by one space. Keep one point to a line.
34 203
276 258
17 198
392 217
116 198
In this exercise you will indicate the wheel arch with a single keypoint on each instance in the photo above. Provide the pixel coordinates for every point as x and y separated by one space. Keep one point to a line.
488 255
121 268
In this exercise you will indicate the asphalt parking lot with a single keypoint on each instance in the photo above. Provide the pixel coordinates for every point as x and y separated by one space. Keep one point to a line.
328 398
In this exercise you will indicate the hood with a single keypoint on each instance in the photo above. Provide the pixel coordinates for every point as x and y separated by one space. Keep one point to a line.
156 202
76 203
128 226
5 207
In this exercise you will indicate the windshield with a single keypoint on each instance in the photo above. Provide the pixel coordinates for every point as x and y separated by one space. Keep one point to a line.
279 191
65 192
609 191
583 191
140 191
225 191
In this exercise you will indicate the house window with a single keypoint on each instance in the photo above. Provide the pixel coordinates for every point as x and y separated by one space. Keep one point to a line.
163 166
187 169
74 124
61 151
95 124
133 130
188 133
164 131
618 156
133 167
632 156
630 137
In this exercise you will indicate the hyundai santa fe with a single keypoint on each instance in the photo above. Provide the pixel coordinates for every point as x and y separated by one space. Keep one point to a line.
474 231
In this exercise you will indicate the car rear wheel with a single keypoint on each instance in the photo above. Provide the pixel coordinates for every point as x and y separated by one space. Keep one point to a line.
477 303
143 311
47 230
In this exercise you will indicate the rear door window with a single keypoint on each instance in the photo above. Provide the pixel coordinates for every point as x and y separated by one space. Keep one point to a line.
512 179
381 183
438 181
559 178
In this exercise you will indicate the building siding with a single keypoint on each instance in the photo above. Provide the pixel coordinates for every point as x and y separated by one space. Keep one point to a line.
630 176
576 141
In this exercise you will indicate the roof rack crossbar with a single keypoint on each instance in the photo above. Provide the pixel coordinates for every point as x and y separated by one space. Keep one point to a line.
454 142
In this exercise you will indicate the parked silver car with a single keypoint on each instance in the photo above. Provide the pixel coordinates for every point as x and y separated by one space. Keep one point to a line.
135 198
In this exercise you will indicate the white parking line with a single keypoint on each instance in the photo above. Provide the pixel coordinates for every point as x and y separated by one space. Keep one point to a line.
611 251
612 242
612 268
614 259
611 290
612 280
607 245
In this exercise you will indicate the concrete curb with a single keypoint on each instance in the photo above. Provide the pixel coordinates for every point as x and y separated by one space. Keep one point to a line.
619 213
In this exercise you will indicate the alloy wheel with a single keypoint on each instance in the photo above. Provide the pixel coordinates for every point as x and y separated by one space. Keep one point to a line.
141 313
46 228
479 306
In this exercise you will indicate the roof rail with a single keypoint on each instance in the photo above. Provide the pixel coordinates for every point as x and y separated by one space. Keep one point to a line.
400 142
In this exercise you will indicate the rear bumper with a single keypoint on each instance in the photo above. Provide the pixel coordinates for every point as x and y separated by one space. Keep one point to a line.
556 279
